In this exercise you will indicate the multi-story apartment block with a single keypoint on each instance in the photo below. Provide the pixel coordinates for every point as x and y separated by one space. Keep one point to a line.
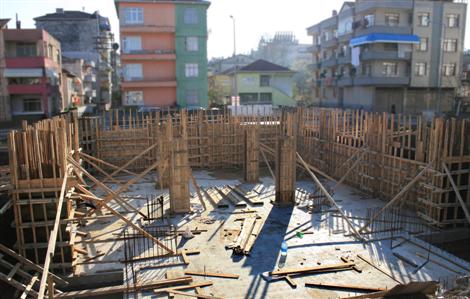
164 52
390 55
85 36
31 74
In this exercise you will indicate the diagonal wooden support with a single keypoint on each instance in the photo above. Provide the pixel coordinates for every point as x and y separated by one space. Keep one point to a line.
53 238
397 197
267 163
102 203
457 192
84 155
78 168
330 198
89 161
306 165
352 157
359 159
133 160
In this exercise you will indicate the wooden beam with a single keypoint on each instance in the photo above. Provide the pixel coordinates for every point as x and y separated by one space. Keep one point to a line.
267 163
457 192
198 190
397 197
378 268
186 287
329 197
105 163
193 295
342 286
53 238
359 159
123 288
212 274
312 269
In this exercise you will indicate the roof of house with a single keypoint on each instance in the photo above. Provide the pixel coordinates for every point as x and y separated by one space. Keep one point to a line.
261 65
4 22
67 14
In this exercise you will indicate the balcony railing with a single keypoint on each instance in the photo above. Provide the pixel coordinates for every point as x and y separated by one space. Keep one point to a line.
382 28
329 43
329 62
344 59
382 81
384 55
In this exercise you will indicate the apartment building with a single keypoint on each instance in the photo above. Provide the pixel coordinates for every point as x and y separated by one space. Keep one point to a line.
85 36
163 52
32 75
389 55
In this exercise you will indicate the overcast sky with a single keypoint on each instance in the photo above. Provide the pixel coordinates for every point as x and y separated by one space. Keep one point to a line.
254 18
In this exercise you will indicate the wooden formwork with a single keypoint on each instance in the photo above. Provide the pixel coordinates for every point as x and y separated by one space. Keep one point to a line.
252 155
392 149
38 164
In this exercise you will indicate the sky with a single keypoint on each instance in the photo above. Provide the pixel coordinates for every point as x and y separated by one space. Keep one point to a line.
253 18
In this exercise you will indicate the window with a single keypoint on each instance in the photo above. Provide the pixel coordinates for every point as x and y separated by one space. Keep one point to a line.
423 44
390 69
424 19
264 80
191 97
131 44
134 98
369 20
452 20
50 52
266 98
133 15
420 69
32 105
192 44
448 70
450 45
57 53
391 47
133 72
191 16
366 69
21 80
192 70
392 19
26 50
248 98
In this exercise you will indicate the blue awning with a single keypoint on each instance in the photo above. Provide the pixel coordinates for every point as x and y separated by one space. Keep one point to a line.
384 38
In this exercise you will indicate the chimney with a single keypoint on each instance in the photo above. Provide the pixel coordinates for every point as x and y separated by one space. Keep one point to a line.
18 22
335 13
59 10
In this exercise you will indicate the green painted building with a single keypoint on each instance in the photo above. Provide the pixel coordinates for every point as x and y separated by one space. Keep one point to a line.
191 50
263 83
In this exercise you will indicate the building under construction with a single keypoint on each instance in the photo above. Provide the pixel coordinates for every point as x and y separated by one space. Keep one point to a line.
178 204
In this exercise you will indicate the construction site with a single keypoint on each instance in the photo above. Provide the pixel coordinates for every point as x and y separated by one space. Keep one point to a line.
301 203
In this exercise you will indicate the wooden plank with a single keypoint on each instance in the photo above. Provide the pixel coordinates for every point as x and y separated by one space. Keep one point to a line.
212 274
193 295
13 271
186 287
29 286
378 268
52 239
344 286
123 288
291 282
312 269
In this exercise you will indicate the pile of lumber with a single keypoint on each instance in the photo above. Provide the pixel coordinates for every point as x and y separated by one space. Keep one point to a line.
250 230
313 270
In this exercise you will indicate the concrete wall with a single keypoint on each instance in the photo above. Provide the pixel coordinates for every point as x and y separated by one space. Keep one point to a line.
359 97
162 14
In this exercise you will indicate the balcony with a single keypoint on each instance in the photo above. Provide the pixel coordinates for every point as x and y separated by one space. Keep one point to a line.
382 29
330 43
147 29
314 30
27 88
345 37
149 55
382 81
149 83
25 62
345 82
345 59
367 5
329 62
315 66
384 55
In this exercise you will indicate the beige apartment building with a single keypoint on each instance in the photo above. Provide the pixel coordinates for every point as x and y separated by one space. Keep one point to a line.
390 55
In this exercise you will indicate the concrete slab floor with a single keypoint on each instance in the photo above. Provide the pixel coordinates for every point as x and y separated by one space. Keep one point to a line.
324 244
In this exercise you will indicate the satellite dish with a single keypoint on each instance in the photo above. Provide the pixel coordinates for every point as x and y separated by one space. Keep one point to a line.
115 46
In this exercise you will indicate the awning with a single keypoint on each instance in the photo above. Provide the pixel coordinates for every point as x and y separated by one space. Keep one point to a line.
24 73
384 38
